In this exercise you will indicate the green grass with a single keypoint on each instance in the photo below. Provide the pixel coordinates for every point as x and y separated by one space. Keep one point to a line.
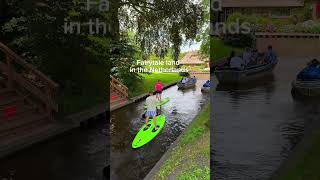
307 167
195 173
190 160
219 50
149 80
200 68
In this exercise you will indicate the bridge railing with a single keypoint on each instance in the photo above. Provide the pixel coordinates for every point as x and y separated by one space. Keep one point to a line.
23 76
116 85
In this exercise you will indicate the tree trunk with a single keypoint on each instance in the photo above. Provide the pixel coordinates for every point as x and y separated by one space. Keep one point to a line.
114 19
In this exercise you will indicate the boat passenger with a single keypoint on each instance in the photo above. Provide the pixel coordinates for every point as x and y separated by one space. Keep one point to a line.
247 56
236 63
232 54
270 55
151 103
255 57
184 80
311 72
207 84
194 79
314 63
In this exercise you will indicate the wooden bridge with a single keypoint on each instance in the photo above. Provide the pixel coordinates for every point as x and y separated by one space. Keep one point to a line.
118 94
27 100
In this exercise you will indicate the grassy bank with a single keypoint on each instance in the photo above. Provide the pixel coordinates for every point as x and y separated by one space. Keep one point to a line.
149 80
190 159
220 50
307 166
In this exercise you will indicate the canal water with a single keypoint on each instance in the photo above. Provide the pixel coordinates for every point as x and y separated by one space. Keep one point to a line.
80 154
257 125
131 164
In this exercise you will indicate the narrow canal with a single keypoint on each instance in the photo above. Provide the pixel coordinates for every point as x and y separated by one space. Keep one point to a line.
80 154
131 164
256 126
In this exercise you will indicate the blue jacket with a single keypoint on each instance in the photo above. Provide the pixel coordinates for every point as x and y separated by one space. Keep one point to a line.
207 84
309 73
271 56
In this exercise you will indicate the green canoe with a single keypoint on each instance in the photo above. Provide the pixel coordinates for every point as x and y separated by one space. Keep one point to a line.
145 136
162 102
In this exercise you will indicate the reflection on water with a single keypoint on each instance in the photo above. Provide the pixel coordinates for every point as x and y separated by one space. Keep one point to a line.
77 155
255 126
127 163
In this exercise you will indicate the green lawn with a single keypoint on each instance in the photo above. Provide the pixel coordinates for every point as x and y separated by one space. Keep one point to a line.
219 50
201 68
191 158
307 167
149 80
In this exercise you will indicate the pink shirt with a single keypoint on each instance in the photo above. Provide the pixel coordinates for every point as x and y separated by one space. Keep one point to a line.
158 87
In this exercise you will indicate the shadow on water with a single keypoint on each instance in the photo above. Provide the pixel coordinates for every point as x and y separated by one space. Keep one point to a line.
255 126
80 154
128 163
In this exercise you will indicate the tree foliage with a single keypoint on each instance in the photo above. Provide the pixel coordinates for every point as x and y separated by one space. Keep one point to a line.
34 29
161 25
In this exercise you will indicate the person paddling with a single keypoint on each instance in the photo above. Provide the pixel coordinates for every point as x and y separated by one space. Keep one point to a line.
151 103
270 55
158 88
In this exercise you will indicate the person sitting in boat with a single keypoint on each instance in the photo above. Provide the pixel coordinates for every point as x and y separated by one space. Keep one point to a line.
207 84
236 62
247 56
270 55
227 64
151 103
194 79
184 80
314 63
311 72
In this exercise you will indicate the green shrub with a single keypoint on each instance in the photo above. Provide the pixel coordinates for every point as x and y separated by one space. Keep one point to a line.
184 74
269 24
239 40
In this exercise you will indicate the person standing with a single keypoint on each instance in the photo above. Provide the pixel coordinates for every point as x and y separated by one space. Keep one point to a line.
151 103
270 55
158 88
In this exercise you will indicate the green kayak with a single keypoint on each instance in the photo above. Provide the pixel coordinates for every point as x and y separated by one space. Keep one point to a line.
145 136
162 102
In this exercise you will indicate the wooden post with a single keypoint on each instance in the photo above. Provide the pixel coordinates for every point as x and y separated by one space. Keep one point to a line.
10 73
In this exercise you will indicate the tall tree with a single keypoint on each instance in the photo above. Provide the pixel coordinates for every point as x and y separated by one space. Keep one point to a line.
36 31
161 25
